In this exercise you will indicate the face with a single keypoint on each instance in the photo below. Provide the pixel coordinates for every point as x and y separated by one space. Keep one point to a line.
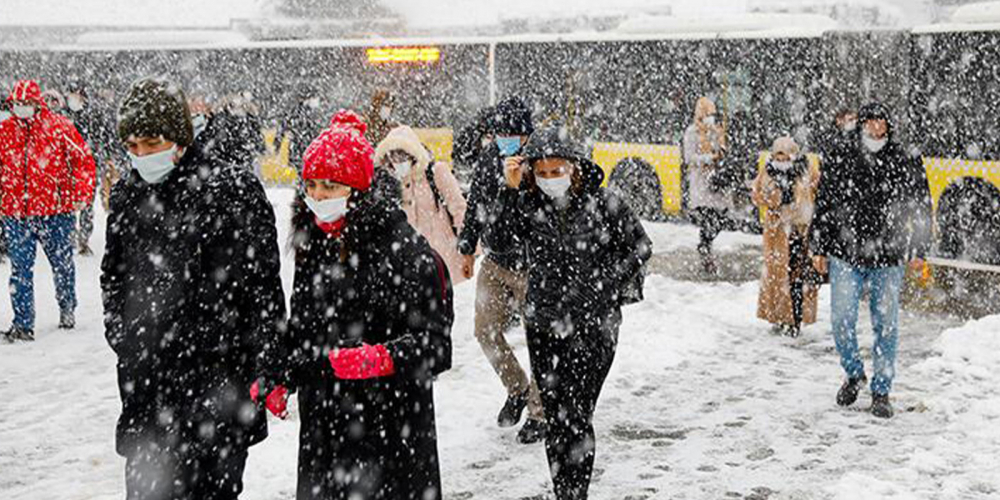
142 146
781 156
321 190
552 168
846 118
399 156
876 129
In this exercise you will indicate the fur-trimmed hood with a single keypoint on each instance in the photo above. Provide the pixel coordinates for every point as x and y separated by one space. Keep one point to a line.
405 139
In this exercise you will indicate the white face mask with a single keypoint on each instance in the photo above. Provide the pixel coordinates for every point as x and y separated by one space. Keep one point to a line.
850 126
23 111
199 122
385 113
154 168
709 120
74 103
783 166
328 210
873 145
402 169
554 188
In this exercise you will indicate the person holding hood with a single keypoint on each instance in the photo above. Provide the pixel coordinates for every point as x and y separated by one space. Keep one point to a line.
873 216
585 253
786 189
192 298
431 197
502 279
370 323
47 173
704 146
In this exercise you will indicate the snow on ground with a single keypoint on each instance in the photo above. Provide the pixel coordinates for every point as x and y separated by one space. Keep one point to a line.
702 403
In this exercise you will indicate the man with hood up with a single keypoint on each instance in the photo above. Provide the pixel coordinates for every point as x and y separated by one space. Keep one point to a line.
872 218
46 174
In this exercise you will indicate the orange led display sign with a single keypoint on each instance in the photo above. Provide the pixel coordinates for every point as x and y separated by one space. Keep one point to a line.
404 55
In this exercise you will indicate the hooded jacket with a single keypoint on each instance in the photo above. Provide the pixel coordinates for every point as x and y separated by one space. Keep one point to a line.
438 220
585 259
872 209
45 164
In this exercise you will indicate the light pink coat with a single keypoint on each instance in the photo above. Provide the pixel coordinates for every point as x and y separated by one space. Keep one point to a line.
424 215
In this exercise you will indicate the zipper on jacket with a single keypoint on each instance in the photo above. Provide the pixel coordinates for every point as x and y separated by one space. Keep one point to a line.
24 170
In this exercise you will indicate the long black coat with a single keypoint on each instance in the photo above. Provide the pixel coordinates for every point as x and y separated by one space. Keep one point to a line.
192 296
872 209
584 260
380 283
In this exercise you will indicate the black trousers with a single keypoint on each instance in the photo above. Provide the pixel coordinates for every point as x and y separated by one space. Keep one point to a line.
154 473
570 374
710 222
798 265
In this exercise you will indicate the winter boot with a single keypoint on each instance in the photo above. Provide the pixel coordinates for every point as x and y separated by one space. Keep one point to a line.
66 320
708 267
510 414
85 250
532 431
17 333
848 392
881 407
793 331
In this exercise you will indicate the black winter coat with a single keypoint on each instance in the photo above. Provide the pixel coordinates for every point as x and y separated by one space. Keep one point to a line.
379 283
487 183
192 296
872 210
584 260
231 138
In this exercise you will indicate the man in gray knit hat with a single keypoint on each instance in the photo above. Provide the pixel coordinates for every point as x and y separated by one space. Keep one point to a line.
192 300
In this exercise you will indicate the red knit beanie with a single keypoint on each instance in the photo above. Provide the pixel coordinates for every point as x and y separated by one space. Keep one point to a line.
341 153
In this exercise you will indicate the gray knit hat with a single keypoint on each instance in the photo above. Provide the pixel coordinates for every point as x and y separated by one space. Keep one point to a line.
155 107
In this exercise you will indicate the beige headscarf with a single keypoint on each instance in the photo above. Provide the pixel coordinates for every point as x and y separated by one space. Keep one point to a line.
702 109
785 144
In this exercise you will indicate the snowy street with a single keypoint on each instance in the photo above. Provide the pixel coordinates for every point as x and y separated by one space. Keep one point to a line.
703 402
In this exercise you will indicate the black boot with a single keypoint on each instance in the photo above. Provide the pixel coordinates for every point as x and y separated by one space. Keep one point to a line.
532 431
85 249
793 331
510 414
66 320
17 333
881 407
848 392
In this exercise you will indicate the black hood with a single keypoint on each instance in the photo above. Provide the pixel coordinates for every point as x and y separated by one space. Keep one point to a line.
512 117
554 142
876 111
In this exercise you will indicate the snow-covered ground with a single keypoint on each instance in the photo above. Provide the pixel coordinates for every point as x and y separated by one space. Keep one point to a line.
702 403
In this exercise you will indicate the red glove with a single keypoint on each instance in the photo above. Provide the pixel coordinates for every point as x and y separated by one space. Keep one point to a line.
276 401
367 361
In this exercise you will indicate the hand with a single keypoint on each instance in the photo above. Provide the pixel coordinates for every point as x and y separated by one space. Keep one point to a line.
917 265
367 361
276 400
468 266
820 264
513 171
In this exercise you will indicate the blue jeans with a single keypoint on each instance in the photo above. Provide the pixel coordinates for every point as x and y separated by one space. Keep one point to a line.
847 283
53 232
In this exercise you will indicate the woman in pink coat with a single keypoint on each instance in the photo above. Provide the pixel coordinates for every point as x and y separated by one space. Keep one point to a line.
431 197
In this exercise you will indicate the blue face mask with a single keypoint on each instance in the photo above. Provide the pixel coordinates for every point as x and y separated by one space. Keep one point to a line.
509 146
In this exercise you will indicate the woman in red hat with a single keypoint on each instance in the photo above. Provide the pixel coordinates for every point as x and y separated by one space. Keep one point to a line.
371 315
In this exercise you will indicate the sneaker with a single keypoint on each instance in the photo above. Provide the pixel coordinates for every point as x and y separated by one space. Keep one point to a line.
85 249
848 392
66 320
532 431
17 333
881 407
510 414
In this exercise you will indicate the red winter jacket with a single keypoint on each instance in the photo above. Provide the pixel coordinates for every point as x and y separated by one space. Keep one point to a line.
45 164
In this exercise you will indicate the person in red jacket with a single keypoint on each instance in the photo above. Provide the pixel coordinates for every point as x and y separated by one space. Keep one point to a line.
46 174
